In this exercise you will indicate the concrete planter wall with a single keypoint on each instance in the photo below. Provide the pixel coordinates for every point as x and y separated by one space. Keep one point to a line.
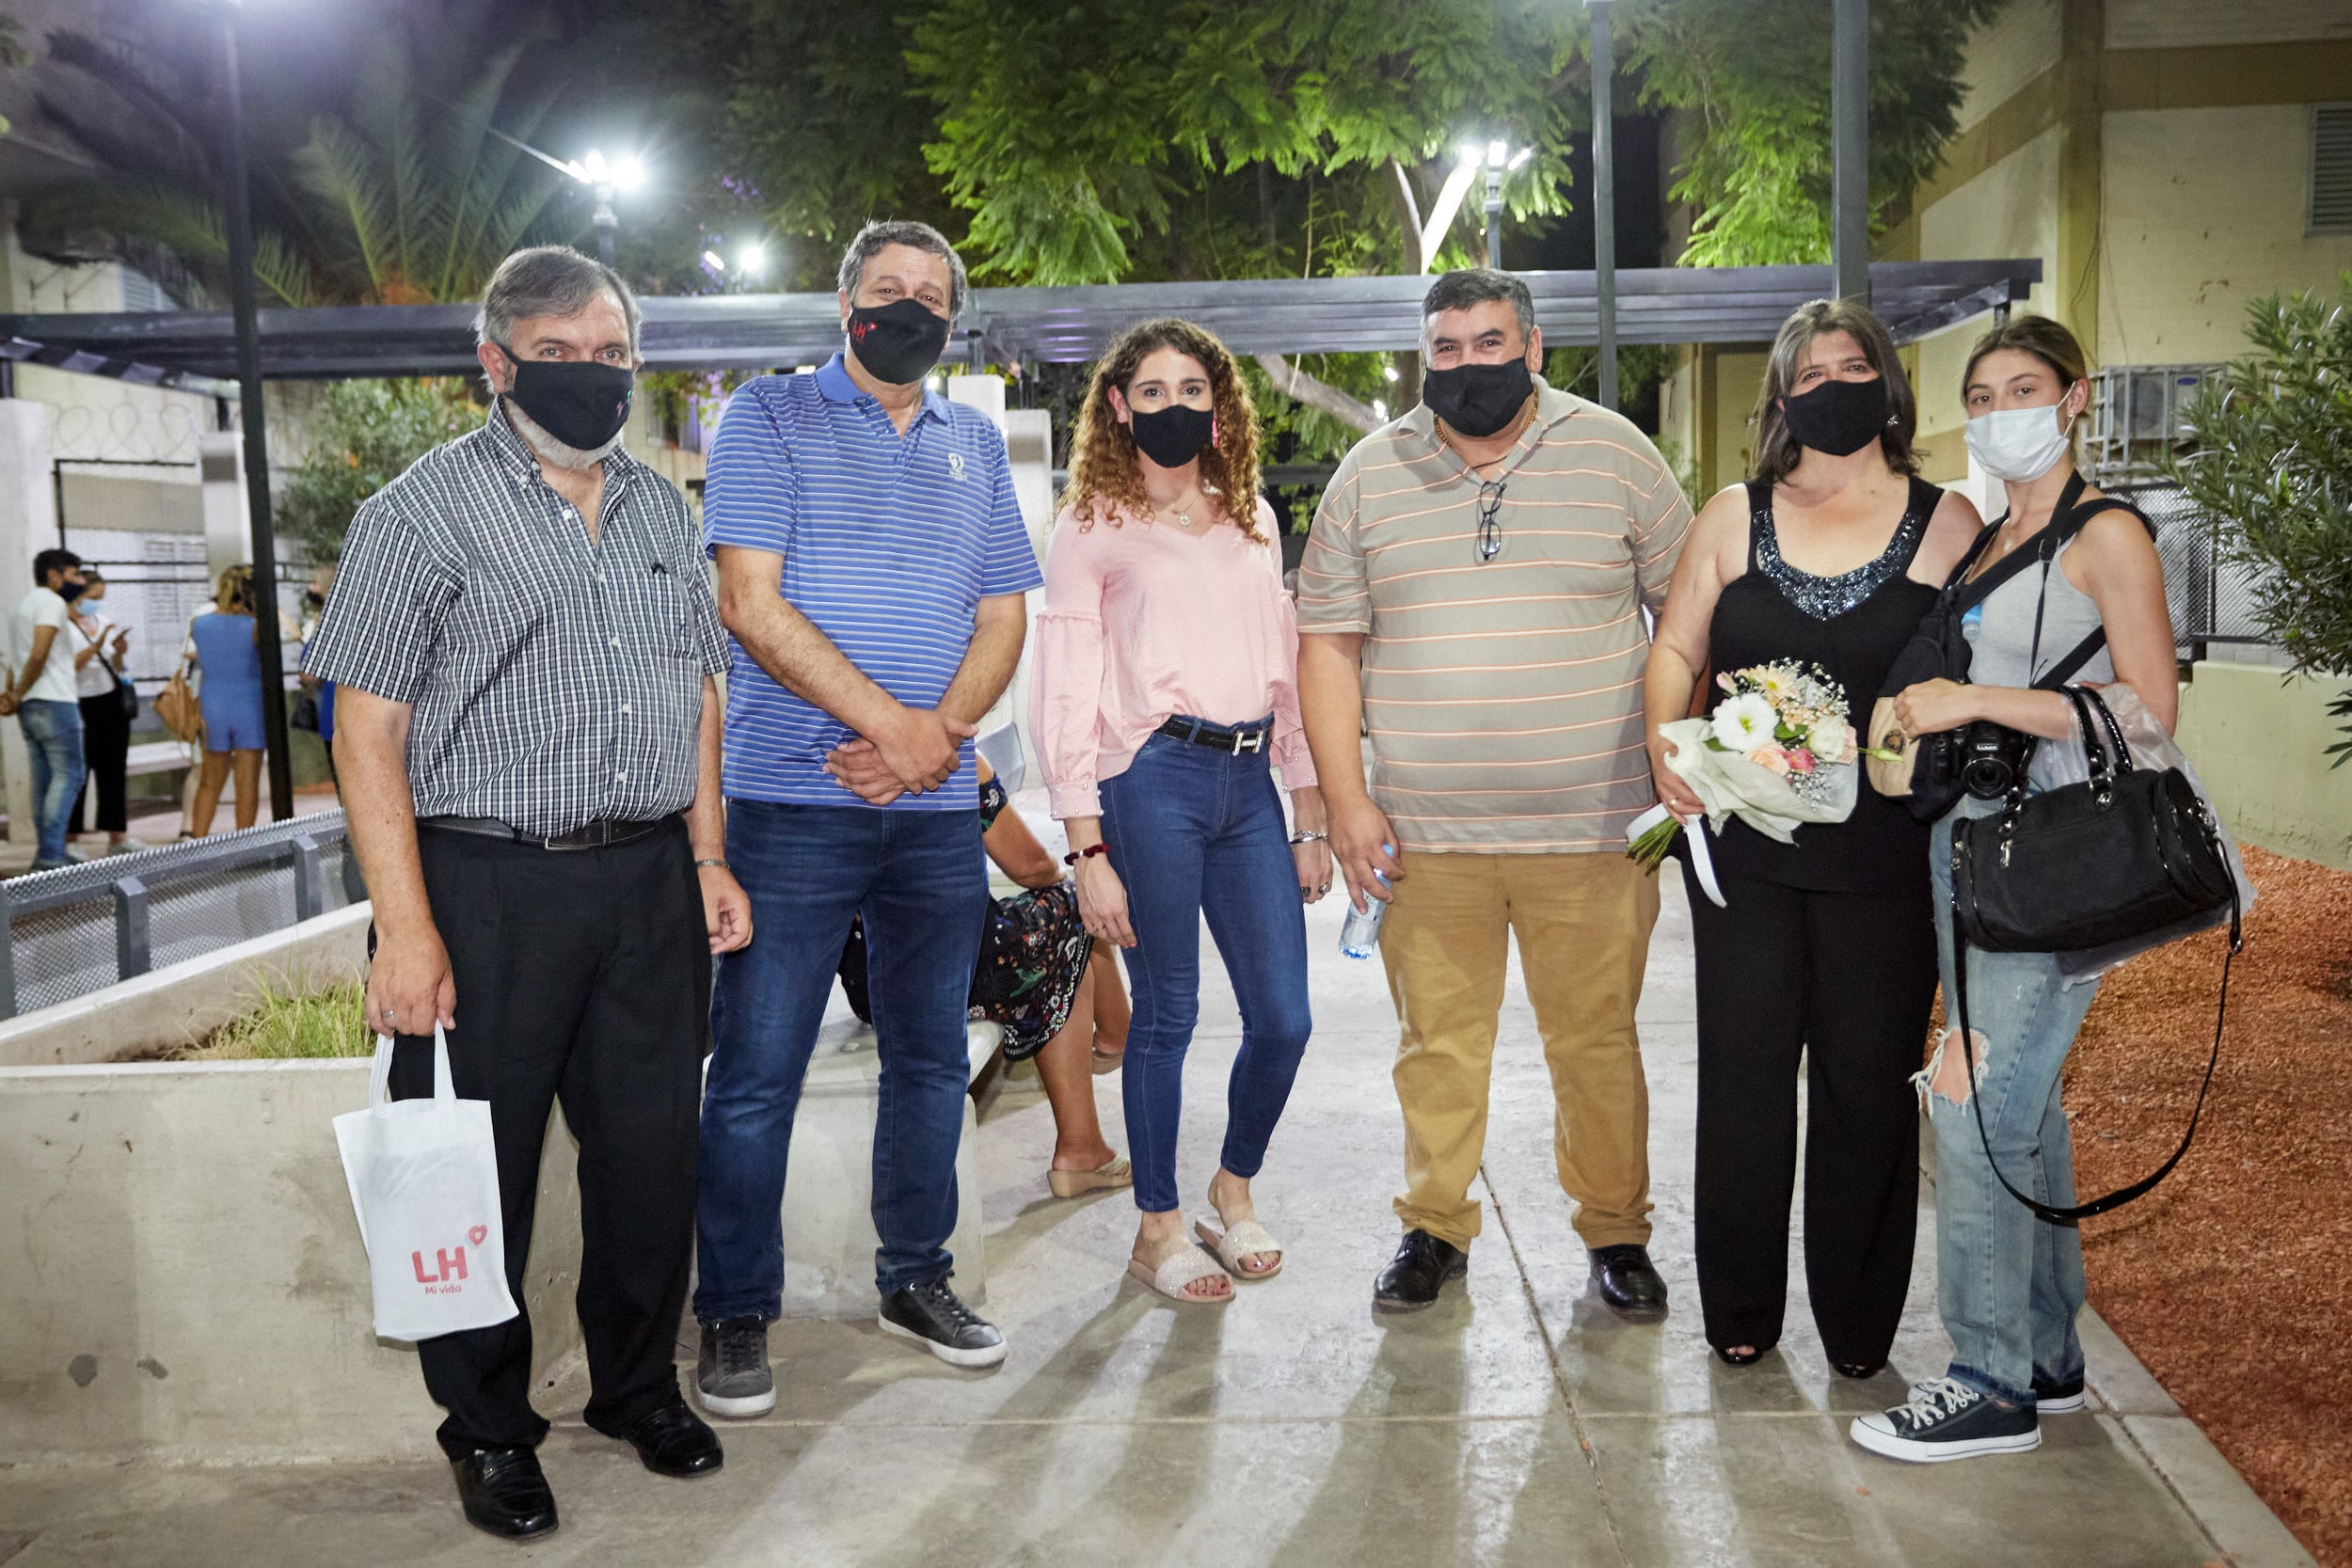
185 1280
2259 737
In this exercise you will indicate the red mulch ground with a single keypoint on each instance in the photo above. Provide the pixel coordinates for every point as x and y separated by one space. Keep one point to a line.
2233 1281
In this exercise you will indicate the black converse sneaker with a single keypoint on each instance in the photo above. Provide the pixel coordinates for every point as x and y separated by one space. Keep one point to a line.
2049 1399
731 1376
931 1313
1947 1419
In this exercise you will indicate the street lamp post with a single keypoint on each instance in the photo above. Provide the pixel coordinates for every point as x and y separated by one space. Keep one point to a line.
1604 204
243 305
1500 159
607 179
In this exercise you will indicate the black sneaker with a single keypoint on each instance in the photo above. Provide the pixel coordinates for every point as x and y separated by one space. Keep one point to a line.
931 1313
1947 1419
2049 1399
731 1376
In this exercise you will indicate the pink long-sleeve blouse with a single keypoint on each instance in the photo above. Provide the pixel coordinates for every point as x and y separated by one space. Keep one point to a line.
1143 621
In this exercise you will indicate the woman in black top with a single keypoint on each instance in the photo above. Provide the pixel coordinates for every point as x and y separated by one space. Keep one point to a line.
1829 555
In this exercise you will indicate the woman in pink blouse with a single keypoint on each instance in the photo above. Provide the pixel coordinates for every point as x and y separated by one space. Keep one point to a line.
1165 692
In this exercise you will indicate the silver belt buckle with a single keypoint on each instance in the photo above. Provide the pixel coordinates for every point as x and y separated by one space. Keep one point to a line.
1248 740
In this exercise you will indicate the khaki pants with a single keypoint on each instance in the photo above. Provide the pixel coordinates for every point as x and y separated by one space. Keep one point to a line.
1584 924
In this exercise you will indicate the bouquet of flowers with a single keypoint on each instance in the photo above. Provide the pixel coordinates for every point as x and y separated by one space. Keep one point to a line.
1778 752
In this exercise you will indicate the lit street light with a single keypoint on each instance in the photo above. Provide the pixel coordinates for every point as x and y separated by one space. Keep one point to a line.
1500 159
751 258
607 179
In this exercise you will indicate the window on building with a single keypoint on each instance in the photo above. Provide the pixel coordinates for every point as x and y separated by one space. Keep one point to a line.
2331 169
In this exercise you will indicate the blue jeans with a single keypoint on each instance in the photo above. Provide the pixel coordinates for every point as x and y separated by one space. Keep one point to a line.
918 879
1195 832
53 733
2008 1283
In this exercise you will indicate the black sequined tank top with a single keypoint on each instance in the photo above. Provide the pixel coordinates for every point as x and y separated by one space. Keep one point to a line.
1852 626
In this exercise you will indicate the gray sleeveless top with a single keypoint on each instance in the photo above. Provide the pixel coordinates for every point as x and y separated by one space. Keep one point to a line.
2000 631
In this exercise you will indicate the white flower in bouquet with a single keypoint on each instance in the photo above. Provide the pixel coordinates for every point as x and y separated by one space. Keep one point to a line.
1746 722
1776 752
1830 740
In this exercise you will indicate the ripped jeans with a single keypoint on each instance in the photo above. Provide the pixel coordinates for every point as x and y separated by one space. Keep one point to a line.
2007 1284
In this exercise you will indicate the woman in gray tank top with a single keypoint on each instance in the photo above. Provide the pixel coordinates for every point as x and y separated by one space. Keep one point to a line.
2009 1284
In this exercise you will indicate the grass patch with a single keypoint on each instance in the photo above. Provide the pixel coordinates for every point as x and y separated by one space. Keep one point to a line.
290 1026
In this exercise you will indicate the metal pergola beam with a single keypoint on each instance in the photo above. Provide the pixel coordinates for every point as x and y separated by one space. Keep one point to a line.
1314 315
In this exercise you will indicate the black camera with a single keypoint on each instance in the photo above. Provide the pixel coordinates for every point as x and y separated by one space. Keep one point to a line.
1992 759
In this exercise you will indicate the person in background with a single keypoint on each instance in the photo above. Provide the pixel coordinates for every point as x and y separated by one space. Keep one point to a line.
524 641
322 691
229 656
872 563
2009 1284
46 652
1472 600
1828 556
1165 693
107 706
1037 980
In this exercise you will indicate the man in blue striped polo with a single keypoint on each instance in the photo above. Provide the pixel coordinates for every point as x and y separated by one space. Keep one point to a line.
872 566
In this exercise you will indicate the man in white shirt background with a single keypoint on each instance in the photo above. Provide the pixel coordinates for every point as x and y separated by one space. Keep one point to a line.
45 649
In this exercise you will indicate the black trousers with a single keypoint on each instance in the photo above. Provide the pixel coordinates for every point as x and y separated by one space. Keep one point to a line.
106 749
1845 979
584 978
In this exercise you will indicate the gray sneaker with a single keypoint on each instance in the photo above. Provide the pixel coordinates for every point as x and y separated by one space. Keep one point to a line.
731 1376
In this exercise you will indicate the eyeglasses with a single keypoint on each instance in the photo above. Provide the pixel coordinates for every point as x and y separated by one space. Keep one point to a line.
1489 529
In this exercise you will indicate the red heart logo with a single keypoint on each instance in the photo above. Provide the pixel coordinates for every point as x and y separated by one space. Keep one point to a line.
477 1234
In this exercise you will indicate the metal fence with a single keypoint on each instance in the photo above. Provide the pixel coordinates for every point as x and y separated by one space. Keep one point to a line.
2211 597
83 927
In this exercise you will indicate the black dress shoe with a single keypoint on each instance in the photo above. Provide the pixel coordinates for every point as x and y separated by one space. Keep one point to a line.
673 1441
1421 1266
1629 1286
506 1493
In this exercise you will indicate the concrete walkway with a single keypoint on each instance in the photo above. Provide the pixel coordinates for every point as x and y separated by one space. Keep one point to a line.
1519 1423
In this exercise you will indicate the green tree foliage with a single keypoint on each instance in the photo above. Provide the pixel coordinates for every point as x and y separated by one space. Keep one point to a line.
363 436
1753 79
2273 463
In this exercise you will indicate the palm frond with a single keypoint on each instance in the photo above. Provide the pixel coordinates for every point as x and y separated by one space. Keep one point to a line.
336 166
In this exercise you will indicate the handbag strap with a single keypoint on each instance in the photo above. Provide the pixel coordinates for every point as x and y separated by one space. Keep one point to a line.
2140 1188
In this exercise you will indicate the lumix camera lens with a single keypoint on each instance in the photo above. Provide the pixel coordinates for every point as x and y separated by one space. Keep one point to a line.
1991 757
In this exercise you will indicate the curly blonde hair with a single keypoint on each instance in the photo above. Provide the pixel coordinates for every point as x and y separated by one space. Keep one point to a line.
1104 472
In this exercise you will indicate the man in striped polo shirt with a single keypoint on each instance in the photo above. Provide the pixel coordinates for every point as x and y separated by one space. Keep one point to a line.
1472 600
872 567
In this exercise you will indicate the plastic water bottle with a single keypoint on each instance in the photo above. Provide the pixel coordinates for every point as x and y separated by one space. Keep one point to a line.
1361 933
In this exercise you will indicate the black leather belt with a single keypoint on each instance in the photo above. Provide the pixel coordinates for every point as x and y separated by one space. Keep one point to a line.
601 834
1234 741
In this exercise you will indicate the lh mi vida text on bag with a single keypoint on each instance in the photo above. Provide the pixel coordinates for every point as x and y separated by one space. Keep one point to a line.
449 1277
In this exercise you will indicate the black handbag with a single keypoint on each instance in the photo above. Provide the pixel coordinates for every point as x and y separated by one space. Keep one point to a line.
1939 650
2125 853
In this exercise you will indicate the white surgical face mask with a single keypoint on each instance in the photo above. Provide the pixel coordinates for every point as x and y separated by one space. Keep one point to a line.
2017 444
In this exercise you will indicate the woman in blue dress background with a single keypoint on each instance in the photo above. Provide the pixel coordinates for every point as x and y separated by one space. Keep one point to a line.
229 659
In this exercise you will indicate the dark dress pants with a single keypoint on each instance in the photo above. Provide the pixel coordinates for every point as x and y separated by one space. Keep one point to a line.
106 755
1844 980
582 978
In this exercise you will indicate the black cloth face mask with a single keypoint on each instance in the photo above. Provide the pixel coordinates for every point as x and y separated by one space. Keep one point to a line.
1839 417
579 402
1477 400
897 342
1173 437
69 591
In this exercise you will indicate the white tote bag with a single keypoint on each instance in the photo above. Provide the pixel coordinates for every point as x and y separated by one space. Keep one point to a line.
424 1183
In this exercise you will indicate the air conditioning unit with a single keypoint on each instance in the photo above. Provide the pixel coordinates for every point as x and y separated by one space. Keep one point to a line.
2137 419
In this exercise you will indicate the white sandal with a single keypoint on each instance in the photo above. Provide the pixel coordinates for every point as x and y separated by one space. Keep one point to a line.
1246 1240
1183 1268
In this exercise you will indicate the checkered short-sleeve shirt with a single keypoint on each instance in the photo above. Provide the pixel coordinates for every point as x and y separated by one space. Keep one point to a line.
555 682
